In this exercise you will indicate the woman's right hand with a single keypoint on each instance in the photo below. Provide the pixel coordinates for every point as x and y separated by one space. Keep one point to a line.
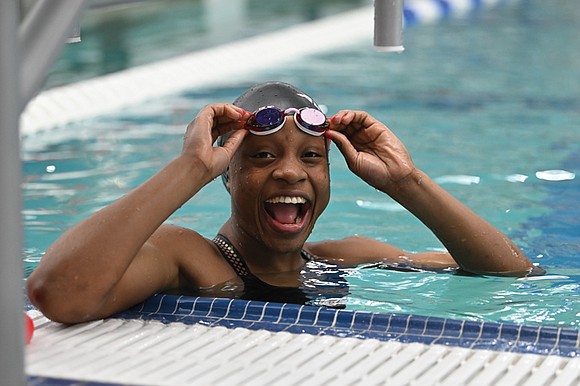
211 122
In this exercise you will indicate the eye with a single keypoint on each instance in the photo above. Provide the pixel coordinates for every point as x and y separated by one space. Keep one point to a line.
263 155
312 154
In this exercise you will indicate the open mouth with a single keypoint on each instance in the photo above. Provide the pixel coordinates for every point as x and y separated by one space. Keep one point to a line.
287 210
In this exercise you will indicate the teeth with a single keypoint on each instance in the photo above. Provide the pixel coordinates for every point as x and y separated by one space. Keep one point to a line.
287 200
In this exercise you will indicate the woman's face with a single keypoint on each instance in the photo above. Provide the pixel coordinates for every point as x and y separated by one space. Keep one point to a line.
280 185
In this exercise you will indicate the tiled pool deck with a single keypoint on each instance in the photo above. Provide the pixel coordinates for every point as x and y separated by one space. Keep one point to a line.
171 340
319 321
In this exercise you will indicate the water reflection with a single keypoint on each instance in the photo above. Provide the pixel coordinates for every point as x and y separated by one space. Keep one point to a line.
117 37
554 300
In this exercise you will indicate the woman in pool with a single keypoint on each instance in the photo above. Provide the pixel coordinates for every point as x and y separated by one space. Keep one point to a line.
275 166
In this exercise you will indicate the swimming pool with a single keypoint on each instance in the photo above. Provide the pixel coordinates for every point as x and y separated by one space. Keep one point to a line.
487 125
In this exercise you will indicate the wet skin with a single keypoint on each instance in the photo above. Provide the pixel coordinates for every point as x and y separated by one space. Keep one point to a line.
266 171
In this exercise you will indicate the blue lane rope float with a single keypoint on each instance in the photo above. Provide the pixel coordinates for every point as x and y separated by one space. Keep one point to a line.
428 11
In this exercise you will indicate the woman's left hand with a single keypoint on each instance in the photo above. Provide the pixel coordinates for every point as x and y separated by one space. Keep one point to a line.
371 150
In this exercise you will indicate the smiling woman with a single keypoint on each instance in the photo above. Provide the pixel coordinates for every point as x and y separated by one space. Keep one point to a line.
279 185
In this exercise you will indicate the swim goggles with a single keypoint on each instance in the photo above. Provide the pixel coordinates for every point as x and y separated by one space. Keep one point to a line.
269 119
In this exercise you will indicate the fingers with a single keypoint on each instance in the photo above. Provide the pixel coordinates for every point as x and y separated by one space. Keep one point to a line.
221 118
351 119
233 142
343 144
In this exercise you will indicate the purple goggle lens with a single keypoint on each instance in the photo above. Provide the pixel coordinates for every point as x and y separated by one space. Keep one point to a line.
269 119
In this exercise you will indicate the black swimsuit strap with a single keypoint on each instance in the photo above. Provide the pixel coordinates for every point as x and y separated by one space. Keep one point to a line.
307 255
234 258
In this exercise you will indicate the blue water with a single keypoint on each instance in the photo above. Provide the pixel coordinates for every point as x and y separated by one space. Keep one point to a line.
484 104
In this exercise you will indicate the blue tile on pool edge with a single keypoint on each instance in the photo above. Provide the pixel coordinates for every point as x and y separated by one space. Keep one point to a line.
255 311
344 319
349 333
492 344
527 348
146 307
273 311
412 338
569 337
325 317
219 308
233 323
529 334
490 331
289 314
379 322
236 309
379 335
296 329
307 315
434 326
362 320
509 332
472 329
454 341
203 305
398 323
417 324
548 335
453 328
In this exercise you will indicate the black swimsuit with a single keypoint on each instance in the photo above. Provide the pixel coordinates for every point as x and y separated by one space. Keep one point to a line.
256 289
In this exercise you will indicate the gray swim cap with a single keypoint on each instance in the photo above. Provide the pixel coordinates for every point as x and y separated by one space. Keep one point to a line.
279 94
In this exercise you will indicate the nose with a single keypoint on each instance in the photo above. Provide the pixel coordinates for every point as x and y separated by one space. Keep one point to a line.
290 170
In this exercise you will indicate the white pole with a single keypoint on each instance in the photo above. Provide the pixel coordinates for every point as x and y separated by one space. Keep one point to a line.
41 37
11 272
25 58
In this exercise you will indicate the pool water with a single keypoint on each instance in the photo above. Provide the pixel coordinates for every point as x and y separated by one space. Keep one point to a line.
488 106
131 33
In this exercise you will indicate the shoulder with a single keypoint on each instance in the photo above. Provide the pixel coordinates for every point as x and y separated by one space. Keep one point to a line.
354 250
173 238
198 259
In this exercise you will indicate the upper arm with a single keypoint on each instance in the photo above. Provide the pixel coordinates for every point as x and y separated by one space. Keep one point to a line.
153 269
174 258
356 250
156 267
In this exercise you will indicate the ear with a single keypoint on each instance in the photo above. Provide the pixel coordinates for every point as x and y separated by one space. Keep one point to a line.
226 179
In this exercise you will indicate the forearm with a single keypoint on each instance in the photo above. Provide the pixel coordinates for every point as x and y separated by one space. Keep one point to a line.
94 254
475 244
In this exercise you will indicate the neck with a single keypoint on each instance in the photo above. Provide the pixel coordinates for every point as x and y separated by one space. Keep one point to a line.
260 257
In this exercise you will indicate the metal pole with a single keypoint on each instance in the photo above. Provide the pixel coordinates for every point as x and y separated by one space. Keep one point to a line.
11 272
389 25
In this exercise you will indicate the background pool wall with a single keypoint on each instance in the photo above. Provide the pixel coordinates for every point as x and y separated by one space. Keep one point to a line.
213 66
